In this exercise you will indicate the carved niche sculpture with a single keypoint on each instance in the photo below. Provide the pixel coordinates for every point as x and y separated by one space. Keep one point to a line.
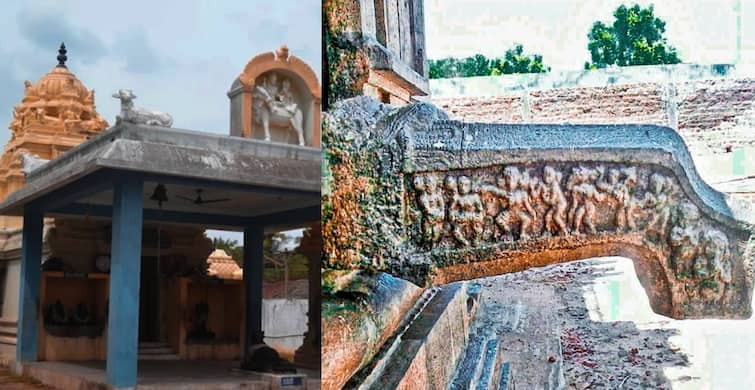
275 105
139 116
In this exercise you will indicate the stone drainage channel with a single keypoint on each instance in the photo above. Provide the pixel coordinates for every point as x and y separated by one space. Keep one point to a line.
579 325
588 325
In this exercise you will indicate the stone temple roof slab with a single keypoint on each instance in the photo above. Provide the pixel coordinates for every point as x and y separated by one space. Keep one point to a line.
259 177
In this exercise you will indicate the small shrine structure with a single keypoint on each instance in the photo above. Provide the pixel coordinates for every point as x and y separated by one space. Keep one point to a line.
103 230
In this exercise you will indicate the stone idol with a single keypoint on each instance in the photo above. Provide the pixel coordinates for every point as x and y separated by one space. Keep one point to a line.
275 104
137 115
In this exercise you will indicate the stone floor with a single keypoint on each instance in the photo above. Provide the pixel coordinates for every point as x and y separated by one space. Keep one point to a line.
8 381
163 375
589 325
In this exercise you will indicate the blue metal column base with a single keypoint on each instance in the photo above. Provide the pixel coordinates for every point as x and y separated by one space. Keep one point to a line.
125 264
28 297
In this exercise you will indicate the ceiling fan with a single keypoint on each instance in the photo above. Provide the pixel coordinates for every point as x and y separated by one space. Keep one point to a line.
199 200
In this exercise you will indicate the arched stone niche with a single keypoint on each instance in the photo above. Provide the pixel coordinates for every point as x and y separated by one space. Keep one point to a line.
284 86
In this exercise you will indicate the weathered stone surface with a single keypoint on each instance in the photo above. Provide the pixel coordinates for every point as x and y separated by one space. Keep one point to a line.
459 201
374 48
427 353
360 311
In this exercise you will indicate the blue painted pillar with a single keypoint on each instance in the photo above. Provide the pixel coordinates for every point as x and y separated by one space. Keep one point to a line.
125 263
254 237
28 297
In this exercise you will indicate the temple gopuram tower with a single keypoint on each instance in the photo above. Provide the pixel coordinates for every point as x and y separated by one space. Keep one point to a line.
56 113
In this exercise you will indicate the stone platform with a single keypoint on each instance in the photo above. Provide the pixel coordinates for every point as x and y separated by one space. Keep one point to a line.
165 375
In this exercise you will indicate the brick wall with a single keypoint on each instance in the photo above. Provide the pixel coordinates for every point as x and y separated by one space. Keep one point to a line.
709 114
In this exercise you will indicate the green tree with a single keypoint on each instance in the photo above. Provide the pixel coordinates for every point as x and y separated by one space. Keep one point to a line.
477 65
444 68
514 61
634 38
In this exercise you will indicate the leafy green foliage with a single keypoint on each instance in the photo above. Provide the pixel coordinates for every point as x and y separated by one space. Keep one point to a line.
634 38
514 61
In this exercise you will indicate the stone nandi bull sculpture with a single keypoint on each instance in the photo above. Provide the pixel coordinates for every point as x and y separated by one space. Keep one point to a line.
139 116
274 105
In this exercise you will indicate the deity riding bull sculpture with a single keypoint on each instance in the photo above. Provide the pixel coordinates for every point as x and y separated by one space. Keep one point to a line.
139 116
275 106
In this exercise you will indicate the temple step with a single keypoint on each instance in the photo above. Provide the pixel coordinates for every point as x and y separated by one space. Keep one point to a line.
156 351
159 357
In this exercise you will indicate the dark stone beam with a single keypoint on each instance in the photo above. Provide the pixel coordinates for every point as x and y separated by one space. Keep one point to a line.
283 218
202 183
288 217
76 190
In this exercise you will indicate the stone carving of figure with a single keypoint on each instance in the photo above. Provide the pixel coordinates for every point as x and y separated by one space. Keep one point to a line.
717 253
286 96
433 207
555 217
275 104
584 198
621 192
498 196
466 213
657 202
17 120
685 238
40 115
717 265
518 207
628 203
270 84
140 116
26 117
68 116
713 260
533 186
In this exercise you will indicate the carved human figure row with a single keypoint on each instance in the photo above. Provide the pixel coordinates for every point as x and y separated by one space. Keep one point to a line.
464 210
697 252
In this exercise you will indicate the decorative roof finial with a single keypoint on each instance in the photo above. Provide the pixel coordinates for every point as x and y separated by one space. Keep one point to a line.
62 55
282 53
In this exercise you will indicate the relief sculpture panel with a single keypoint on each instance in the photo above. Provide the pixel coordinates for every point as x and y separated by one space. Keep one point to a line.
513 205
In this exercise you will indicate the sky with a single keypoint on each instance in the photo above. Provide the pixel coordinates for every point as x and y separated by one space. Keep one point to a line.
703 31
178 57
